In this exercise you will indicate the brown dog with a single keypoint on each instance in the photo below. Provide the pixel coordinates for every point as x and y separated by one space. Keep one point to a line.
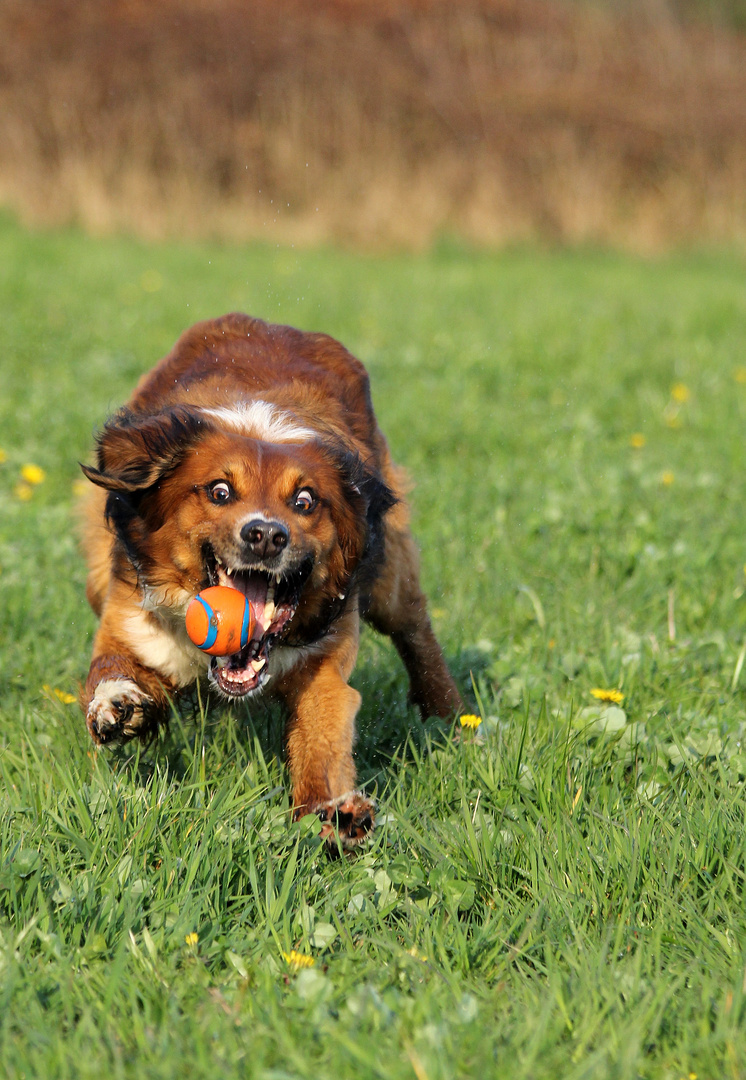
250 457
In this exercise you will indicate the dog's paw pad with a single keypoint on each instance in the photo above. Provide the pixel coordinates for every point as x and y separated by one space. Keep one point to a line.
351 818
116 711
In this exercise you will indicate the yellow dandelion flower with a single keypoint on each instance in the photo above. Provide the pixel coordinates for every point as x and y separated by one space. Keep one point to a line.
3 457
32 474
667 478
23 492
680 392
470 720
80 486
64 697
298 960
192 939
609 697
637 441
740 374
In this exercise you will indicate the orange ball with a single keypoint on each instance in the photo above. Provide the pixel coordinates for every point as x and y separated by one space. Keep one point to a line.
220 621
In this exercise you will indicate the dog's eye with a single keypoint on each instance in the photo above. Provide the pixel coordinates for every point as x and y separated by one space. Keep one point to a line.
305 501
220 492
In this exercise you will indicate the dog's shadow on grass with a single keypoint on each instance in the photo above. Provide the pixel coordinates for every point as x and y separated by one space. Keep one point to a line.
201 723
387 720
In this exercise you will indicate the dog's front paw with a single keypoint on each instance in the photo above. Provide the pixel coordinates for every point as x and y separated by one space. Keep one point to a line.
351 817
118 711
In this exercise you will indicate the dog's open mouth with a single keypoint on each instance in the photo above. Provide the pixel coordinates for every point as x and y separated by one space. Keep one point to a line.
274 599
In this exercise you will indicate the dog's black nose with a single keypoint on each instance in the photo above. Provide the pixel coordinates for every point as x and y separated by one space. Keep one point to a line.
266 539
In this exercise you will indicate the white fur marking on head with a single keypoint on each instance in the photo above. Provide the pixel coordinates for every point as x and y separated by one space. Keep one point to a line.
263 421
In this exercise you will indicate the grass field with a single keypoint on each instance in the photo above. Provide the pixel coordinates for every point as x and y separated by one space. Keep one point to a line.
562 898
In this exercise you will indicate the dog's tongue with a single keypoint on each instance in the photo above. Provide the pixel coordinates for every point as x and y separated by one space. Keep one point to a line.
260 595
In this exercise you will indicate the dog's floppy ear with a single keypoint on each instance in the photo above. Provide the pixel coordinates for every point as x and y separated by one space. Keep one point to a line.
378 498
135 451
370 498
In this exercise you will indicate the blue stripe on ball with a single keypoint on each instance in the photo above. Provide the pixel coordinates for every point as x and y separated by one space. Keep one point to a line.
245 624
212 625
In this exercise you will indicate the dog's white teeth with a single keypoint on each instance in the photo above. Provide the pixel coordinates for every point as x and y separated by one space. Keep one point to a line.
229 571
257 665
218 561
340 596
269 605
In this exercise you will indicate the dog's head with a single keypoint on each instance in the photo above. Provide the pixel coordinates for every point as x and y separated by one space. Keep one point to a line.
290 524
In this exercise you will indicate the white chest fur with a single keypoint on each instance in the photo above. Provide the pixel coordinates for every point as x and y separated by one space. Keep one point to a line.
164 647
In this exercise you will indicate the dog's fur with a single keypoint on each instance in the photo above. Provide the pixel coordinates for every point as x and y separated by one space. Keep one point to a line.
250 456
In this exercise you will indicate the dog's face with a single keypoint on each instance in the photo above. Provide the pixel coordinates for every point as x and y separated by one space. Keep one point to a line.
286 523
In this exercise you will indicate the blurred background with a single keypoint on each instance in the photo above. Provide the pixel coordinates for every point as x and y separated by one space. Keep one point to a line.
378 123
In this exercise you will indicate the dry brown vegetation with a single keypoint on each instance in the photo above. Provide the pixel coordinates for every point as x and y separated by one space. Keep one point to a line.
373 122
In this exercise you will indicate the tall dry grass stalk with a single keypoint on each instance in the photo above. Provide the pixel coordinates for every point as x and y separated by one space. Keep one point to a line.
373 122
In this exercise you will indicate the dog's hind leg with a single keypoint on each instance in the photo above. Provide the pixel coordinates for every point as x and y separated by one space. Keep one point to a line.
397 607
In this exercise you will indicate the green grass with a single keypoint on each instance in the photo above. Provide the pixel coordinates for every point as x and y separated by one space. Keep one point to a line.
564 898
